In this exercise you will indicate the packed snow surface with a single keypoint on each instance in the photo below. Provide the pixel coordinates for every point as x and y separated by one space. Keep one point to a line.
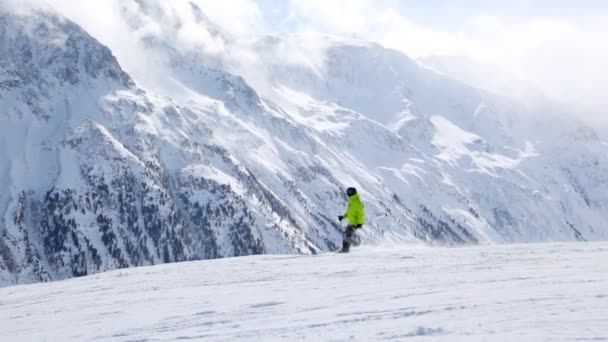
535 292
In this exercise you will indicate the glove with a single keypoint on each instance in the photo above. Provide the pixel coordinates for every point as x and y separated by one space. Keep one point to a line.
340 218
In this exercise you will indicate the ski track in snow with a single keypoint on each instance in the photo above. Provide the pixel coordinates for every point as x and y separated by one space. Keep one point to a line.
536 292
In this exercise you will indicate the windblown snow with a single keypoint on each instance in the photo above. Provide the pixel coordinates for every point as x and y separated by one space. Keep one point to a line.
534 292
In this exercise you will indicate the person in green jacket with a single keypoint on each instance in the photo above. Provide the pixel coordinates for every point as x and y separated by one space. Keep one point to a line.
355 216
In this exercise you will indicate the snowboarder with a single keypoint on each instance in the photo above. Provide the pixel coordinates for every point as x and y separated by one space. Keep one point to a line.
355 216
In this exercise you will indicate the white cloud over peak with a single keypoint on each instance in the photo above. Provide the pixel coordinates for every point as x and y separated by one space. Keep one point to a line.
239 16
565 57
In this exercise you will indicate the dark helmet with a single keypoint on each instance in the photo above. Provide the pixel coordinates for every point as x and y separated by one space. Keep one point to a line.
351 191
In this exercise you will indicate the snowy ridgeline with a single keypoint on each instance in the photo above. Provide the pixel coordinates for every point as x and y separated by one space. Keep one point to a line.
536 292
104 167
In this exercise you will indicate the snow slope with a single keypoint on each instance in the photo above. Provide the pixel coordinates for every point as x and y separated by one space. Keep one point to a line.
535 292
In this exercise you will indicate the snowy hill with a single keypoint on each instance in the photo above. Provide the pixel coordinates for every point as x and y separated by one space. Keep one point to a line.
545 292
205 155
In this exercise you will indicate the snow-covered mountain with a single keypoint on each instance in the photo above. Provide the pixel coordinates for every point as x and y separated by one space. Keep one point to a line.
225 158
99 174
508 84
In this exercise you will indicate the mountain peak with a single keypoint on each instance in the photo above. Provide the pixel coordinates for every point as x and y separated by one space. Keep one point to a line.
43 46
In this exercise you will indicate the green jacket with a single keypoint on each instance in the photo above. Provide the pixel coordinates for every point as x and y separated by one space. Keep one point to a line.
354 211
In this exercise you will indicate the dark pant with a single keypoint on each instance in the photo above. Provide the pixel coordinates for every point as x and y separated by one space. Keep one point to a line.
348 237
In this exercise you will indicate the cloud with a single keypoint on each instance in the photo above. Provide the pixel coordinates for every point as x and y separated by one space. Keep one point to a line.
122 25
226 40
566 56
19 7
374 20
237 16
